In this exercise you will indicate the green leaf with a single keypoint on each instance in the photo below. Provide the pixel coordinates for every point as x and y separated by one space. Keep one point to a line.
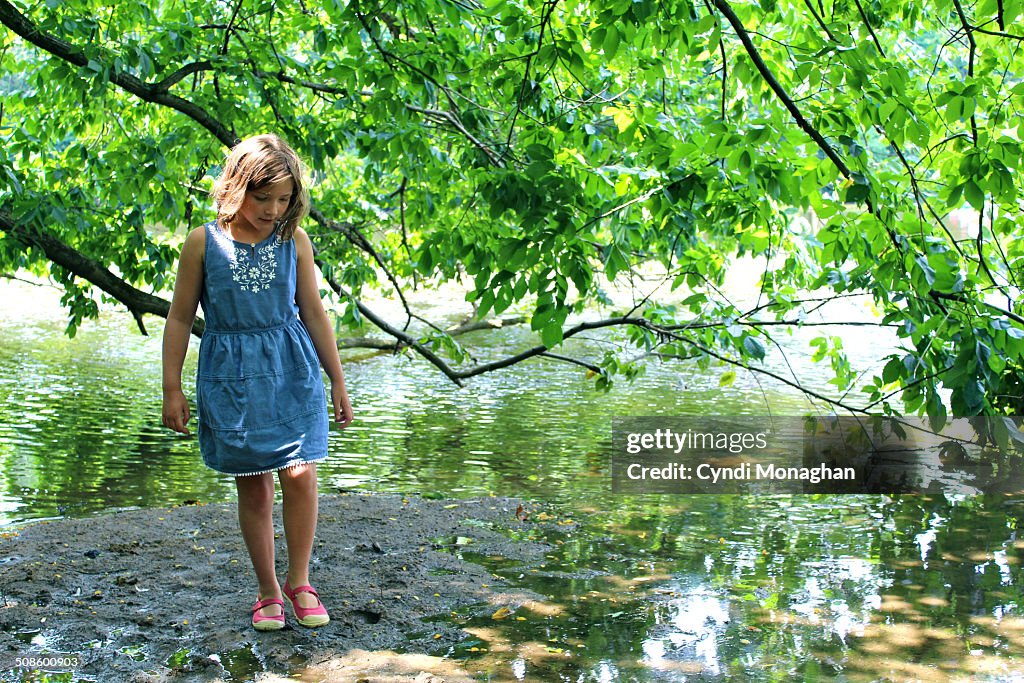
551 335
975 195
610 45
892 370
974 396
753 347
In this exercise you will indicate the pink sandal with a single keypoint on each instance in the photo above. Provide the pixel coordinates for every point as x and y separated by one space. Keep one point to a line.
310 617
262 623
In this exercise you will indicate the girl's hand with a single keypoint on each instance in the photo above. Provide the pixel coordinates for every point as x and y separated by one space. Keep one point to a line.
342 407
176 412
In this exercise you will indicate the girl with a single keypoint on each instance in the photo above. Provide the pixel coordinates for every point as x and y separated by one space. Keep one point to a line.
259 394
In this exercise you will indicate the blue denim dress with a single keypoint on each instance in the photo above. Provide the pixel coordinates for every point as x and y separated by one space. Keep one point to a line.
259 393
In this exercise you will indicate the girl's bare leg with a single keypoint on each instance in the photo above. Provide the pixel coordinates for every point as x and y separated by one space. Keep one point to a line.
300 506
255 508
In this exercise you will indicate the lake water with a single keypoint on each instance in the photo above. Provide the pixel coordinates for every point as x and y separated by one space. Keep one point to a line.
648 588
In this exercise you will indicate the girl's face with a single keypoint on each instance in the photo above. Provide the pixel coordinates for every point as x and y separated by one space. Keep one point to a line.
262 208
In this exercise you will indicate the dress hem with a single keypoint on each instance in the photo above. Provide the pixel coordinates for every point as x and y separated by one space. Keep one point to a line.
272 469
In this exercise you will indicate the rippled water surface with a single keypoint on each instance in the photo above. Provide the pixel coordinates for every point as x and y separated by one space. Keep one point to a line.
641 588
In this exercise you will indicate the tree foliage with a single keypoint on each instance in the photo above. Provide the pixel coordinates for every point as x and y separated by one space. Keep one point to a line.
539 150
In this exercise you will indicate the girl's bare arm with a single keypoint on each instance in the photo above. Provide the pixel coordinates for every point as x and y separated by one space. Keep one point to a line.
188 286
311 311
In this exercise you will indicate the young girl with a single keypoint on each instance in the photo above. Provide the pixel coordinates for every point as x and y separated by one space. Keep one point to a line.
259 394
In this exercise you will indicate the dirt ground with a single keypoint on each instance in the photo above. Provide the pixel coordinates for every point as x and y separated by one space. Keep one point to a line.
165 594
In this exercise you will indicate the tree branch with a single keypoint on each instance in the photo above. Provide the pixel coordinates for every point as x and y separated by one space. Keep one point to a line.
973 45
787 101
998 34
919 198
549 6
181 74
541 349
230 27
456 123
575 361
780 92
864 17
945 296
352 233
973 49
735 363
402 336
17 22
309 85
920 380
821 22
137 301
469 326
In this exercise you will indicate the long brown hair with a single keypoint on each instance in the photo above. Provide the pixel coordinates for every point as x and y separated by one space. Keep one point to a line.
253 164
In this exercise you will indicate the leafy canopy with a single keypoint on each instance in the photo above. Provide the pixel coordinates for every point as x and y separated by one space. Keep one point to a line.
540 150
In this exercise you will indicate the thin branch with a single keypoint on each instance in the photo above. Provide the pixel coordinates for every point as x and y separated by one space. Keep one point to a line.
780 92
821 22
625 205
791 323
401 335
182 73
34 283
359 240
725 76
735 363
575 361
231 27
949 138
454 121
980 242
458 330
310 85
919 198
545 19
921 380
814 300
973 48
541 349
998 34
392 58
864 17
992 307
472 325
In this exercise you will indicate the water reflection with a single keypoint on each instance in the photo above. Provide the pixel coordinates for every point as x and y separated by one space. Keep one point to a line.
757 589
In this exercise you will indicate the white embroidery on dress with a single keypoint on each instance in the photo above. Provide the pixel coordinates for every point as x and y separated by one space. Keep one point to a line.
254 268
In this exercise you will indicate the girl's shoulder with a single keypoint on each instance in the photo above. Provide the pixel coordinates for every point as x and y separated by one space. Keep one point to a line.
199 233
195 244
303 245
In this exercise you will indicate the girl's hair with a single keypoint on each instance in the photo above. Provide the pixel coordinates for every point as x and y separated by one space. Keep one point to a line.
253 164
